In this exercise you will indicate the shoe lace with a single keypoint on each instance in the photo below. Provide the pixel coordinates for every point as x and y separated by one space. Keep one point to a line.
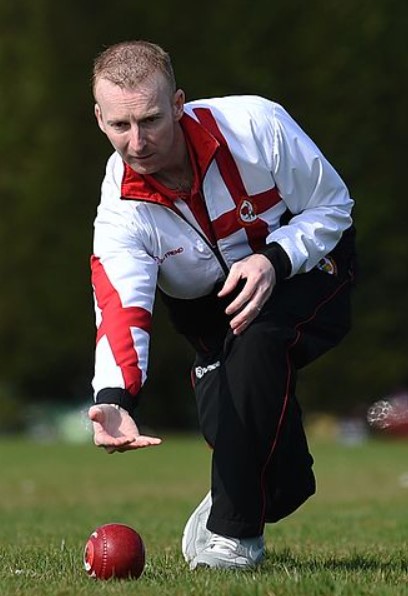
222 542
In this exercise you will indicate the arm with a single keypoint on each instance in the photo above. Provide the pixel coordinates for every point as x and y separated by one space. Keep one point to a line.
312 190
321 206
124 282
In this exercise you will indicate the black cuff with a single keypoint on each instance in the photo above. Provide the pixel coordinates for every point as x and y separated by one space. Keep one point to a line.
121 397
279 259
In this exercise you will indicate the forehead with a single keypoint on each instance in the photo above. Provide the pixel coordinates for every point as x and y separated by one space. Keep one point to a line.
149 96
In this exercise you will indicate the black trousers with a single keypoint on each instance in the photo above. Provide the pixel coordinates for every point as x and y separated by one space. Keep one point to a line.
247 409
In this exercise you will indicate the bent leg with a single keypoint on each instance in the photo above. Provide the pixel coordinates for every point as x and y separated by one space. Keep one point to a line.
247 411
262 468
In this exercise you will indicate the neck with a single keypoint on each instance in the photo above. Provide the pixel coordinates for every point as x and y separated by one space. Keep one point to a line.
178 175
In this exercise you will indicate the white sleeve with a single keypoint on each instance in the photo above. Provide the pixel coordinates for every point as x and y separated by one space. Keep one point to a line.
313 192
124 279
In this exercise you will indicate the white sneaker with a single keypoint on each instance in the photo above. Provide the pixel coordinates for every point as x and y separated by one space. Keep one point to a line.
195 533
224 552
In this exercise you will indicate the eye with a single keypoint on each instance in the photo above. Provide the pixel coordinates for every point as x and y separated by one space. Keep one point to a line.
152 119
120 126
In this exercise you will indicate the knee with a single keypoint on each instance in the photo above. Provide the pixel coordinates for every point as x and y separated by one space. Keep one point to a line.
261 345
262 335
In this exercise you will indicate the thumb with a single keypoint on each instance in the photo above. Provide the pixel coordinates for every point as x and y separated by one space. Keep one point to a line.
96 414
230 283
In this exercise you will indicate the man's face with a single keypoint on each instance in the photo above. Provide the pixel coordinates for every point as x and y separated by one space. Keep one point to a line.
141 123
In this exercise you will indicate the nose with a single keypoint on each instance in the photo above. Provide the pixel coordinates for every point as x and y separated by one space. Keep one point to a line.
137 141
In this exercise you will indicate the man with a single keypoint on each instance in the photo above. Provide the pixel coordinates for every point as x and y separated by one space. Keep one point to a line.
230 210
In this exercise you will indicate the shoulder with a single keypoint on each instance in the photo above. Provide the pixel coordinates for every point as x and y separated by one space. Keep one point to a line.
248 123
112 207
242 104
251 113
114 172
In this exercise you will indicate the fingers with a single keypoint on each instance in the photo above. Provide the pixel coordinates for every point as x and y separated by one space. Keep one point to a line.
138 443
148 441
260 279
242 299
104 439
230 283
237 273
242 321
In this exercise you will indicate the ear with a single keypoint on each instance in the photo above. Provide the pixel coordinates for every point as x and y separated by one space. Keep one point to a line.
98 116
179 99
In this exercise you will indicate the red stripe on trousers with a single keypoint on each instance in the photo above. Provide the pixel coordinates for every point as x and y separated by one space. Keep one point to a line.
286 397
116 324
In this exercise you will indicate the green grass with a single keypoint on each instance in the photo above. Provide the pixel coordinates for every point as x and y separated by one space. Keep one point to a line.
350 539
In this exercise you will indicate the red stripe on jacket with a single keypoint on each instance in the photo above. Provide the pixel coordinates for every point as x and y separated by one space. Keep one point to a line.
116 324
230 222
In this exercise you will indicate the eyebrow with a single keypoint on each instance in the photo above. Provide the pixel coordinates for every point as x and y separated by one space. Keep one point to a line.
154 114
116 120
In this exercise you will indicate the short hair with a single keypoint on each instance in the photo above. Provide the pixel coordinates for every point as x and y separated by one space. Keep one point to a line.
129 63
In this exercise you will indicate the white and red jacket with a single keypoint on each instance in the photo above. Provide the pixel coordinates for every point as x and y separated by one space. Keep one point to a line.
253 164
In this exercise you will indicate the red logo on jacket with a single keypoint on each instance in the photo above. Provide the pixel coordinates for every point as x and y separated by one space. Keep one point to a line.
246 212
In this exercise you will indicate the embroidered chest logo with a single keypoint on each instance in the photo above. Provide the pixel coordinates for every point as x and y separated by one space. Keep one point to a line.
246 212
169 253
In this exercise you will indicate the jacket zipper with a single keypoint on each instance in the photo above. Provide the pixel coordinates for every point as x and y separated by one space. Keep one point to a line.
213 247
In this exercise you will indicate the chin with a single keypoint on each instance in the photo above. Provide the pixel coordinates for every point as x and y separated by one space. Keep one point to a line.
141 168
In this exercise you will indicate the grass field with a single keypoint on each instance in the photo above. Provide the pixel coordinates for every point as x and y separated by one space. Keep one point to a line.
350 539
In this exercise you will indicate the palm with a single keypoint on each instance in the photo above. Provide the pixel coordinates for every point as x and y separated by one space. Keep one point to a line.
116 430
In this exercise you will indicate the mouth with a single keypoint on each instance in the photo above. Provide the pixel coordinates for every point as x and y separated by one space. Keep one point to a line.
141 157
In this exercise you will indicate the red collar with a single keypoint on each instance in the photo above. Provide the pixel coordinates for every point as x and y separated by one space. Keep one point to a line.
201 147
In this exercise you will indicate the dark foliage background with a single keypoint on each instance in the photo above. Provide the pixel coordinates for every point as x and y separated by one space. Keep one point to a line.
339 67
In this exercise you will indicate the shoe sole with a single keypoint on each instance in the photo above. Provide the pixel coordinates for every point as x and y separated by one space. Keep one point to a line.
213 560
213 563
191 529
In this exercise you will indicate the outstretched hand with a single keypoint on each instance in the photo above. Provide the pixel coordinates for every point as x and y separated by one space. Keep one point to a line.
260 279
115 430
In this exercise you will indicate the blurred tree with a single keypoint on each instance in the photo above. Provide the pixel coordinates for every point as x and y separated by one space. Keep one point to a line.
44 315
339 67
